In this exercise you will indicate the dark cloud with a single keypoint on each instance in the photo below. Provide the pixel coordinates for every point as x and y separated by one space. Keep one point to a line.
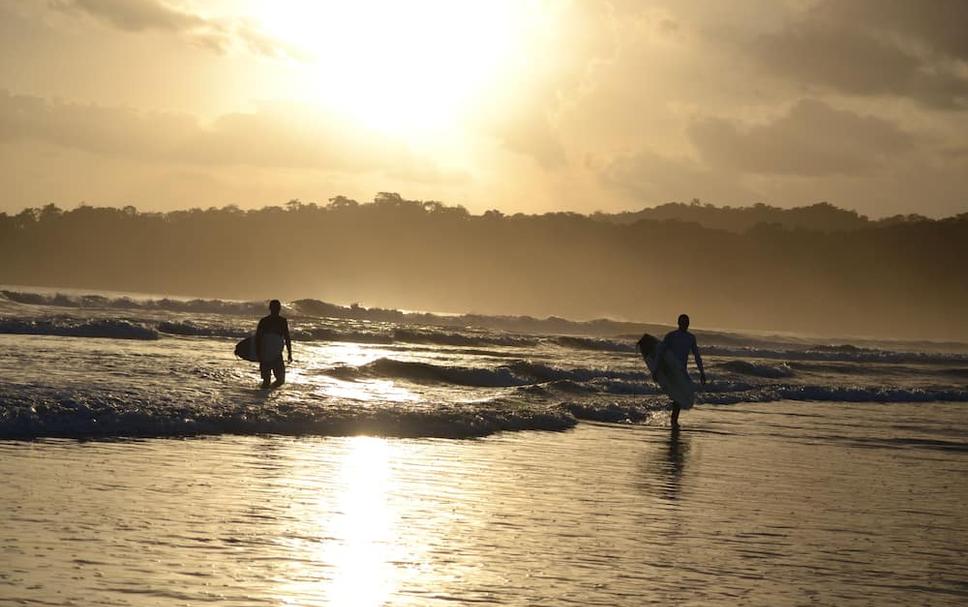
957 152
874 47
135 15
939 26
813 139
143 15
279 137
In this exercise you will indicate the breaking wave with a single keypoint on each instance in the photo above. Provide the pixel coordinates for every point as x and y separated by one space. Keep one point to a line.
83 413
387 326
547 381
591 343
70 327
850 394
839 353
80 415
200 330
613 412
461 339
745 367
518 373
196 306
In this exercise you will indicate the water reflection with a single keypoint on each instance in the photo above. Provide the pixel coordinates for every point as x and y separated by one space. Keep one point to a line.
366 391
319 358
345 540
664 466
362 527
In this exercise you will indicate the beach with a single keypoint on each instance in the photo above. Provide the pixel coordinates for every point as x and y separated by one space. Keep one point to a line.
779 503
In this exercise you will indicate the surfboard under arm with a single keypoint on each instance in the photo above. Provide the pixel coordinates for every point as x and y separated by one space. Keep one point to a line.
670 376
272 346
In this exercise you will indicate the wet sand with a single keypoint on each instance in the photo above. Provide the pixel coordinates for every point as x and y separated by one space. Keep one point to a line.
778 503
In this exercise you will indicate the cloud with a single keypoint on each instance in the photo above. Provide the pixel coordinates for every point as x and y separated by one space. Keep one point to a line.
92 128
276 136
957 152
650 178
531 133
937 25
812 139
873 47
144 15
135 15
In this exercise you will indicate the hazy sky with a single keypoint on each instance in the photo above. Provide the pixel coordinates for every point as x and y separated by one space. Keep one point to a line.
517 105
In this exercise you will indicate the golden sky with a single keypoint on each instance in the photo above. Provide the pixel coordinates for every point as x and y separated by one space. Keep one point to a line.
520 105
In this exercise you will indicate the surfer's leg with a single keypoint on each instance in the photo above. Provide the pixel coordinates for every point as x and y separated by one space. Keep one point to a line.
279 368
265 369
675 415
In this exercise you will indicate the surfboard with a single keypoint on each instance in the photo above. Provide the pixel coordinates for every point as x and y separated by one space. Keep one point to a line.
670 376
272 346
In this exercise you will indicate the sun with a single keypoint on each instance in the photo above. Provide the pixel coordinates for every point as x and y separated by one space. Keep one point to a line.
402 66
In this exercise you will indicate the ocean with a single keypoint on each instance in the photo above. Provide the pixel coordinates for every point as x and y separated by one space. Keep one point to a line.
416 459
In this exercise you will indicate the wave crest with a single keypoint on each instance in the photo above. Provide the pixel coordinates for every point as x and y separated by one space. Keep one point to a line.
745 367
71 327
519 373
84 414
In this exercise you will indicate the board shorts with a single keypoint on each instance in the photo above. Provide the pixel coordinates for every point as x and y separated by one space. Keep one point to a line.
276 366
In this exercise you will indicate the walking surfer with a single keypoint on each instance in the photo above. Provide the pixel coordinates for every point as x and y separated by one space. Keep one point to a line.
680 342
271 332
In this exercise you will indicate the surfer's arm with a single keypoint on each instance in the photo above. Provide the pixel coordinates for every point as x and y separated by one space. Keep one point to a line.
285 329
695 354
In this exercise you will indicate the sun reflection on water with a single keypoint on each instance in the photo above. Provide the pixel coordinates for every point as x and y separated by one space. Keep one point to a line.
356 557
335 355
362 527
372 390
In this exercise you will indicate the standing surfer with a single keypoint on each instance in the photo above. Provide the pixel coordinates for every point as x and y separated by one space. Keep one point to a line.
680 342
271 332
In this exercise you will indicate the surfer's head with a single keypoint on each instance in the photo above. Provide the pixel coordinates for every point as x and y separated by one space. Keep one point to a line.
683 321
274 307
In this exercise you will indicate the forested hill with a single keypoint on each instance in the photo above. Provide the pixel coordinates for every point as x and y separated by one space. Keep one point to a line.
822 216
890 279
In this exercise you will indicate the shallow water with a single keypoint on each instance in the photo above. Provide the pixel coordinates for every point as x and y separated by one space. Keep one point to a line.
778 503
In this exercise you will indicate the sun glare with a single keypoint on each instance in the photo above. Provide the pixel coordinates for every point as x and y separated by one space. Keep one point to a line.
364 572
401 67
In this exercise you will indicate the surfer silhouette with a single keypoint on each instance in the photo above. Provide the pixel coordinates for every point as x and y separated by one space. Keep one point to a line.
272 332
680 342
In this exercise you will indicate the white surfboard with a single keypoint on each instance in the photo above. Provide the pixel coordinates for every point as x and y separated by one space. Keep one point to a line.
668 373
272 345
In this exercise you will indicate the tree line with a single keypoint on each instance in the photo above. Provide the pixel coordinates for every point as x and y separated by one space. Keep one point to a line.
901 278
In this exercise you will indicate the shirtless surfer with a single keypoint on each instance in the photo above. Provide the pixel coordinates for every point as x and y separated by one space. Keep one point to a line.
275 325
681 342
